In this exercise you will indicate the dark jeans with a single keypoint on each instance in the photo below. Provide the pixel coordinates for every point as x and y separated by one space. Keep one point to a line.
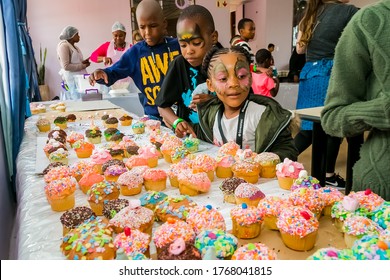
304 139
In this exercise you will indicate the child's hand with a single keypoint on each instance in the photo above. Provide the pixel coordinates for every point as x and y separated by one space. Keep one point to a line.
199 98
107 60
97 75
184 128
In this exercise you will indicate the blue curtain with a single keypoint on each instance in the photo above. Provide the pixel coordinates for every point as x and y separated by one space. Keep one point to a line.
14 102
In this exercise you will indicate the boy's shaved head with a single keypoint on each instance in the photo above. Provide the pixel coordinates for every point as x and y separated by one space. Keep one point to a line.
201 14
148 8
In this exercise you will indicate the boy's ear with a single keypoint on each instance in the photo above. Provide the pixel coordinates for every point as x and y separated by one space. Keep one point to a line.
214 37
210 85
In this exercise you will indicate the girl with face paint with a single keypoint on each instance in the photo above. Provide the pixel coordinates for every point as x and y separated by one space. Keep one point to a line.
253 121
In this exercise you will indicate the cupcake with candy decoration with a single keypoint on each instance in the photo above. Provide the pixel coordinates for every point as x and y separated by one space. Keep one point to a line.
247 221
73 137
60 194
305 181
224 165
308 198
79 168
271 207
155 180
268 162
43 124
130 183
205 218
193 184
109 132
229 148
249 171
174 207
60 155
113 172
179 250
332 254
245 155
171 230
191 144
61 122
133 241
254 251
178 154
298 227
329 196
110 162
101 192
94 135
224 243
152 125
228 186
57 131
112 207
381 215
150 153
355 227
53 145
287 171
249 194
50 166
169 145
89 179
57 173
74 217
133 216
347 207
98 158
138 127
83 149
150 199
371 247
367 199
81 242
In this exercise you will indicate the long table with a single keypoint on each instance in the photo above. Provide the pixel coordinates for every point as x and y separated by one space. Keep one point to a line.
38 230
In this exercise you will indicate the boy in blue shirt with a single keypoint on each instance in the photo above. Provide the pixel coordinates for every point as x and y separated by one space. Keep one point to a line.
146 62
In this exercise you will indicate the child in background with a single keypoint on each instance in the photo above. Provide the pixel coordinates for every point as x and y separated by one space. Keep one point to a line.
252 121
197 35
263 81
147 61
246 28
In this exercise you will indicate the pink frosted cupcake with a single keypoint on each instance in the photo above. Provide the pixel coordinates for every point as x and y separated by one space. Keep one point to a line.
152 125
98 158
247 221
329 196
308 198
249 194
174 171
171 230
287 171
229 148
57 173
150 153
204 163
193 184
73 137
126 142
60 194
130 183
88 180
155 180
135 161
133 241
224 166
298 228
205 218
79 168
271 207
169 146
254 251
367 199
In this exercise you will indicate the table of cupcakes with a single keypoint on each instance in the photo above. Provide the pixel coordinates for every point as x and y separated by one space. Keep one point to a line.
108 184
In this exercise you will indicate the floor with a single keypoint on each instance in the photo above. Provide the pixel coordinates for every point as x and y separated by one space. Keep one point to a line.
305 159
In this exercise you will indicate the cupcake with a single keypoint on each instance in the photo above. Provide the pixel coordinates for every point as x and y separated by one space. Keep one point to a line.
191 144
173 172
74 217
245 155
247 221
204 163
50 166
268 162
57 173
101 192
205 218
83 149
150 153
193 184
111 122
131 150
109 132
113 172
381 215
130 183
61 122
371 247
81 242
98 158
152 125
224 243
271 207
71 118
308 198
94 135
329 196
305 181
126 120
116 152
53 145
43 124
150 199
133 216
133 241
224 166
88 180
249 171
298 228
117 137
57 136
179 250
60 194
112 207
347 207
367 199
112 162
332 254
138 127
174 207
229 148
254 251
249 194
59 155
57 131
171 230
287 171
169 145
228 186
136 161
155 180
73 137
104 118
355 227
178 154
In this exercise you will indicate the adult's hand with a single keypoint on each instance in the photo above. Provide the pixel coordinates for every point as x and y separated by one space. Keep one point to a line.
97 75
86 62
184 128
107 60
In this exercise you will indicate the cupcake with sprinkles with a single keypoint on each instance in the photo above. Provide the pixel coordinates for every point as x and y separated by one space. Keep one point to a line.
79 168
113 172
112 207
152 125
193 184
381 215
305 181
329 196
60 155
178 154
174 207
60 194
73 137
150 153
268 162
57 173
298 227
224 165
271 207
205 217
169 145
228 186
249 171
151 198
155 180
224 243
130 183
229 148
355 227
74 217
249 194
173 172
88 180
191 144
371 247
308 198
287 171
247 221
138 127
171 230
101 192
367 199
179 250
133 241
254 251
332 254
347 207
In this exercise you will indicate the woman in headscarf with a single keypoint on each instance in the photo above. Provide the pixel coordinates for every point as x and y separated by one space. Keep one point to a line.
70 57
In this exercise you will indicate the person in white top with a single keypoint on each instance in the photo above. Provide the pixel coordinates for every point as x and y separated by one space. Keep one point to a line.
70 57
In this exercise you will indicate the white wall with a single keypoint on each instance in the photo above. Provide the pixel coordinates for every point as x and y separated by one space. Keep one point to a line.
93 18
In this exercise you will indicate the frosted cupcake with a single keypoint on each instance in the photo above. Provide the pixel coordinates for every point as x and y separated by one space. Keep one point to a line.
155 180
368 199
88 180
178 154
229 148
305 181
347 207
247 221
271 207
74 217
113 172
228 186
355 227
133 241
57 173
224 166
152 125
254 251
174 171
205 217
329 196
174 207
381 215
98 158
101 192
332 254
249 171
130 183
60 194
179 250
308 198
371 247
169 146
138 127
268 162
249 194
59 155
43 125
193 184
150 153
73 137
150 199
287 171
191 144
224 243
